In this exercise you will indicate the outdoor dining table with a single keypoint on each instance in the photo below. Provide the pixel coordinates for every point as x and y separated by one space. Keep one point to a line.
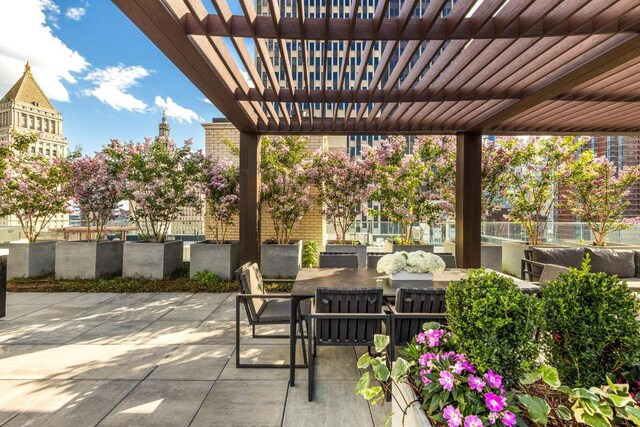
310 279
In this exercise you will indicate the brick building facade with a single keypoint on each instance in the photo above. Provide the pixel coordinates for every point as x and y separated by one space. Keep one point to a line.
311 227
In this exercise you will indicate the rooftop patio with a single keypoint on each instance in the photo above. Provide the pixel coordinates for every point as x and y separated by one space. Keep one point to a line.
158 359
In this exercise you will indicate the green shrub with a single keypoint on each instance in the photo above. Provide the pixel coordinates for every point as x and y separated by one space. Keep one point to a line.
310 254
494 323
590 328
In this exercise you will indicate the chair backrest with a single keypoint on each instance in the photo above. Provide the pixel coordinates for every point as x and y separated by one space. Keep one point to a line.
449 260
420 300
251 283
373 258
338 260
348 331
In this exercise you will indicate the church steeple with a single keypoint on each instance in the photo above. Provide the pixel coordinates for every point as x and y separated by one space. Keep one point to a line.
163 128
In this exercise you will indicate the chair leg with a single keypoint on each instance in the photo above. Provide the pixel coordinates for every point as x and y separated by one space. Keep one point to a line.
253 331
304 348
312 361
237 332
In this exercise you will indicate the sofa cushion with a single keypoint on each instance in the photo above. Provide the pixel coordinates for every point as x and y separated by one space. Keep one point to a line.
565 257
613 261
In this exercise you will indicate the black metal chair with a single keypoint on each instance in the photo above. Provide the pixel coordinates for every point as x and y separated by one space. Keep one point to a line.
449 259
414 307
265 309
344 317
373 258
338 260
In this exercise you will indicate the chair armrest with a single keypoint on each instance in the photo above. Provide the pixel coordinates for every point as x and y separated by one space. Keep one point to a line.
364 316
526 268
397 315
263 296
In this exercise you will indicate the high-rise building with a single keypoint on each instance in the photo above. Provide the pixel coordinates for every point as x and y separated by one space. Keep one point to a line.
26 109
335 57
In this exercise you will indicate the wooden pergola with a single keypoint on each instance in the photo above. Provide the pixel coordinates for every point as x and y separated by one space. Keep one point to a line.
490 66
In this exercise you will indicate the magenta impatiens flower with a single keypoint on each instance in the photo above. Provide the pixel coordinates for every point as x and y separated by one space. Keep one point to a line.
493 379
426 358
433 337
446 380
509 419
472 421
494 402
453 416
476 383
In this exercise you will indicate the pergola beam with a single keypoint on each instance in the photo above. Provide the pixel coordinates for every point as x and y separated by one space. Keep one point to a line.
391 28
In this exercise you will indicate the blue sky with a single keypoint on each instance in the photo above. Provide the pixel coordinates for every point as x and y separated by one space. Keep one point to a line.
100 71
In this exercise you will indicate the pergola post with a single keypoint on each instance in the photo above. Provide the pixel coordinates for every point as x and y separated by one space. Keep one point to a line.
468 199
249 197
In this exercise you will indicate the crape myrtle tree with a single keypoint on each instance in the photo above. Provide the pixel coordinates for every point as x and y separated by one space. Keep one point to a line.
597 192
344 187
34 189
286 169
96 190
159 179
536 184
16 143
413 185
221 189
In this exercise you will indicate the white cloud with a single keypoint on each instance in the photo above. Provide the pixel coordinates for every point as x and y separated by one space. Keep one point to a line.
206 100
53 63
112 84
75 13
178 112
247 78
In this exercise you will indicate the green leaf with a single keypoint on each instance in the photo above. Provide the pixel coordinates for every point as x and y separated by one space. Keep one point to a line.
583 393
364 361
381 372
370 393
388 420
430 325
363 383
400 369
531 377
380 342
633 412
550 376
620 401
595 420
563 413
537 407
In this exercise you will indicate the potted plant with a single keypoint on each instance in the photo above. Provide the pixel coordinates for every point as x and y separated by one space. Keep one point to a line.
534 188
409 268
286 171
598 194
221 190
344 187
413 184
433 386
159 179
96 191
34 190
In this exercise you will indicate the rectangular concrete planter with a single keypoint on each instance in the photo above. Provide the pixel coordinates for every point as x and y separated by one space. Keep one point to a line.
406 408
422 246
30 259
221 259
578 244
513 252
359 249
490 254
410 280
3 282
151 260
280 261
88 260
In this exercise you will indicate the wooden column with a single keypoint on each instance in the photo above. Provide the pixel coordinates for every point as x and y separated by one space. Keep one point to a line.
468 199
249 197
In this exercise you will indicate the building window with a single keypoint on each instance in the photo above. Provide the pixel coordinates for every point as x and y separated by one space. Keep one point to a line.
33 150
48 152
40 150
55 153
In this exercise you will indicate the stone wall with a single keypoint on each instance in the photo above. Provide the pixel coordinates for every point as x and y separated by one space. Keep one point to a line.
312 225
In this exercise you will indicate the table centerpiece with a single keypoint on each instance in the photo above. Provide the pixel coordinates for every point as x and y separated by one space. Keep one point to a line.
412 267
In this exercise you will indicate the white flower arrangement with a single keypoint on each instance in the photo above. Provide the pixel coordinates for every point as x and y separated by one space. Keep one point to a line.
412 262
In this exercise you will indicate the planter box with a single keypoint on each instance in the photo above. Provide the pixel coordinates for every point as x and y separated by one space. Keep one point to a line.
30 259
422 246
88 260
403 395
406 279
490 255
221 259
338 260
578 244
151 260
3 282
360 250
280 261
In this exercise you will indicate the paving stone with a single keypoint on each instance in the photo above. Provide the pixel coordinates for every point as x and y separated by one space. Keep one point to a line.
111 332
244 403
42 332
160 403
16 311
194 362
273 354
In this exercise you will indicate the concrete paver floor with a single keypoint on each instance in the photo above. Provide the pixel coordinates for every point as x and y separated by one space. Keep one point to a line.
76 359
